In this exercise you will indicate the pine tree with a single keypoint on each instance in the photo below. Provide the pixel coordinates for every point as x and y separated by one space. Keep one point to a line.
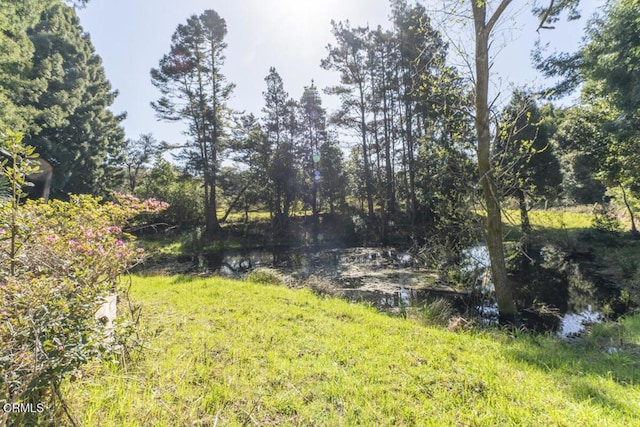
194 90
313 136
349 57
138 154
281 126
72 125
333 178
18 90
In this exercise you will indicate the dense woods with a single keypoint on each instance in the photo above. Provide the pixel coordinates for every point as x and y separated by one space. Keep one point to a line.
417 158
398 99
412 151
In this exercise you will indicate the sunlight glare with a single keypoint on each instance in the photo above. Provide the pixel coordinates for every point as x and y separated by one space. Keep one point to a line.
301 10
304 16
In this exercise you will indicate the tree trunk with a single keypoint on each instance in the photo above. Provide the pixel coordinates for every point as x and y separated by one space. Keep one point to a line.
634 230
504 296
413 203
390 196
212 223
314 203
525 225
233 204
365 154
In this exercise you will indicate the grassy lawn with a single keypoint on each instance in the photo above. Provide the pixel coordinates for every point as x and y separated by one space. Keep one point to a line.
551 224
558 219
223 352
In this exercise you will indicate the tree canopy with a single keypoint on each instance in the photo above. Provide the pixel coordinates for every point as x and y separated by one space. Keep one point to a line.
194 90
55 91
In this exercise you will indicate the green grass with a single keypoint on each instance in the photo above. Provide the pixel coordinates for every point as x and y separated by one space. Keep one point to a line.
619 250
237 216
560 219
552 224
224 352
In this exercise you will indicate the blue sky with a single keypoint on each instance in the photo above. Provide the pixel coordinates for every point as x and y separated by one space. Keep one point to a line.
132 35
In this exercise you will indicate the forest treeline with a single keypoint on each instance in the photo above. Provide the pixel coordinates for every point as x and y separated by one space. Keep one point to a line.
406 146
399 101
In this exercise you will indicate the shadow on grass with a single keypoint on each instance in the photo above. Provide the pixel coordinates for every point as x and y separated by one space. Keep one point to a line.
513 233
586 372
583 391
185 278
577 361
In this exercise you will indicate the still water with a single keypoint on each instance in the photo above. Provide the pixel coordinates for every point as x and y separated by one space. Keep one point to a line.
390 279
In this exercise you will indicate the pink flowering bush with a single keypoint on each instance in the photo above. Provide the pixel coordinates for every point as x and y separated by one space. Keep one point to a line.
58 262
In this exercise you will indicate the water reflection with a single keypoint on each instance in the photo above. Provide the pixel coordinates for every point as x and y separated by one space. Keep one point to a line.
388 279
574 323
563 299
384 277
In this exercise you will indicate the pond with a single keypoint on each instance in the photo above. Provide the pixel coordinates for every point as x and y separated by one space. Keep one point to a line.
390 279
384 277
571 303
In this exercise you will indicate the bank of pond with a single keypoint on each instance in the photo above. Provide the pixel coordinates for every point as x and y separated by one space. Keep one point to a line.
560 290
227 352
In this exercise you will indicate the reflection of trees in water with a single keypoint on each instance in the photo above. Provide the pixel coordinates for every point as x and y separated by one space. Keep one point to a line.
582 292
562 279
550 280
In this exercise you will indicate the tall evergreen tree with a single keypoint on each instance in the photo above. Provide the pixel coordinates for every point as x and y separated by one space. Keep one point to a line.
250 182
349 57
16 51
333 177
391 85
194 90
383 61
280 122
72 125
313 136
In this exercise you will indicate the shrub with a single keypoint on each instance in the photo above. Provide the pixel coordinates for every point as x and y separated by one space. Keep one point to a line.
58 262
183 193
437 312
604 220
266 276
270 276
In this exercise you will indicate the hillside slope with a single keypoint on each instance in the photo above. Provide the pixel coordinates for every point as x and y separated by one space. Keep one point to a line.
224 352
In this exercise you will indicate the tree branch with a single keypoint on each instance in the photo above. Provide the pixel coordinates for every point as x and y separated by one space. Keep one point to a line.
544 18
496 15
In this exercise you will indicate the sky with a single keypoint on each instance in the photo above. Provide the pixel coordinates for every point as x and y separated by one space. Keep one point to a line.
291 35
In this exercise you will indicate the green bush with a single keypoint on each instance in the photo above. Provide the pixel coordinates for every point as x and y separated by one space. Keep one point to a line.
265 276
437 312
604 220
58 262
183 194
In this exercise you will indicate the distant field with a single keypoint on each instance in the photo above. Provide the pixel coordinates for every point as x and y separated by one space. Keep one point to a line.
572 218
239 216
557 219
223 352
549 222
